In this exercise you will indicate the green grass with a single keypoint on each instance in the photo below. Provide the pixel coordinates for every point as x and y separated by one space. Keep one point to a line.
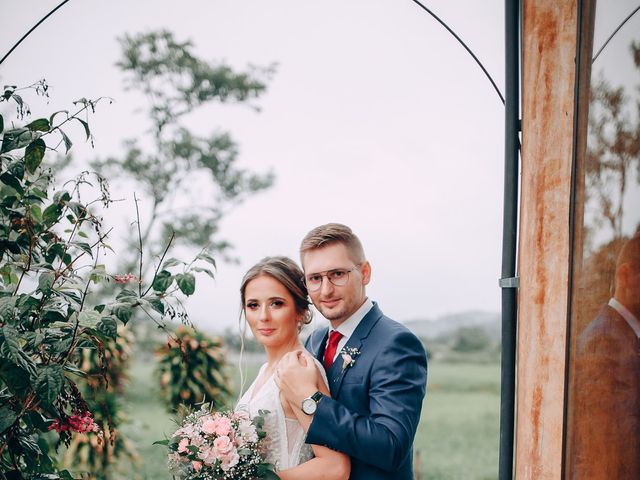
457 437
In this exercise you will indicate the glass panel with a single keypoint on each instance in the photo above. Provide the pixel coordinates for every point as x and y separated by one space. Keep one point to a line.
604 389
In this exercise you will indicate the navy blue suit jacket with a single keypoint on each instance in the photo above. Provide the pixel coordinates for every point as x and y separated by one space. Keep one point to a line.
375 406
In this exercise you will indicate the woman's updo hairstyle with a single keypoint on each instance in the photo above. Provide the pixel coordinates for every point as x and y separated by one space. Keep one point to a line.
287 272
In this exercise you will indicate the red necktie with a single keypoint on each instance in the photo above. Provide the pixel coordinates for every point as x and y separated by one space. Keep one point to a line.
330 352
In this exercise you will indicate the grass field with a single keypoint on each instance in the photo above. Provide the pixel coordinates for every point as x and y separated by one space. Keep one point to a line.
457 437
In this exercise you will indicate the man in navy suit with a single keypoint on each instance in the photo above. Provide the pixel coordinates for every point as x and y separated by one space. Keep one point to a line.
376 368
605 433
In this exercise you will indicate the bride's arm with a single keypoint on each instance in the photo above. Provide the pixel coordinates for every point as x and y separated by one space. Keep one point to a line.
326 465
303 418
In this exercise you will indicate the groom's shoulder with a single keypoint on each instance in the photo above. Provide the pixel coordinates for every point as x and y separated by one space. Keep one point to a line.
392 330
316 335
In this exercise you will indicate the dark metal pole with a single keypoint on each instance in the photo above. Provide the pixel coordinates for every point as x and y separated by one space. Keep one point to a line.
509 281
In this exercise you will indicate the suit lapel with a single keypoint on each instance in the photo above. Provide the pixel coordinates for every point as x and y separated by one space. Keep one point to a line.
336 373
318 342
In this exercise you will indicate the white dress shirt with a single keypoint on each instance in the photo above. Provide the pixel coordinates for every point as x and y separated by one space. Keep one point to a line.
631 319
347 327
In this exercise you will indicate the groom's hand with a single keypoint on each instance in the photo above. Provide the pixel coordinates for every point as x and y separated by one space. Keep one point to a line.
297 377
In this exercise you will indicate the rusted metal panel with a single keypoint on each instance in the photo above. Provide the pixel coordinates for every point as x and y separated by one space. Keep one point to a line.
548 71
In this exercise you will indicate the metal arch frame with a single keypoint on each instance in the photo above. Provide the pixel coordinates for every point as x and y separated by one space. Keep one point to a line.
31 30
508 282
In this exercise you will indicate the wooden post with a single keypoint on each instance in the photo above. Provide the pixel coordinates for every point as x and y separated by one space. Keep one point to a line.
549 73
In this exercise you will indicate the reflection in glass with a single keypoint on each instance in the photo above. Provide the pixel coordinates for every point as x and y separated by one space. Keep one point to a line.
604 380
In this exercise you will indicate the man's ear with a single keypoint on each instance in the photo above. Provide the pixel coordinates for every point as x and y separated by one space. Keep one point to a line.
366 272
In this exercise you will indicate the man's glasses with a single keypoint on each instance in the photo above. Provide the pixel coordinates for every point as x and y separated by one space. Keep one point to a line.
338 277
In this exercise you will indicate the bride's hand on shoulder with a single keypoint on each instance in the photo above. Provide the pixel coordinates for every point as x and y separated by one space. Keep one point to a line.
295 377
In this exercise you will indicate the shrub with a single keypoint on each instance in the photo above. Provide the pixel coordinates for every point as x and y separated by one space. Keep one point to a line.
191 369
50 245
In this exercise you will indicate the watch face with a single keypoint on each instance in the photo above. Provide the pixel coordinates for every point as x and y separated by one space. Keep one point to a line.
309 406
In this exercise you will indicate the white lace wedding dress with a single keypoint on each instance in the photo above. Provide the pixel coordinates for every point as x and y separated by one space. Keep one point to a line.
285 442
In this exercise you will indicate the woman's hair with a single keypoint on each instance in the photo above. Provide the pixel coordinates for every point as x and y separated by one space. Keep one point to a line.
285 271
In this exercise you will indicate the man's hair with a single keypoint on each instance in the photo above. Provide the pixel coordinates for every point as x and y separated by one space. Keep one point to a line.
331 234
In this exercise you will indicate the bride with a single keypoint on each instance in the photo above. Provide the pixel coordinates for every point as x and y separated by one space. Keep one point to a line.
275 305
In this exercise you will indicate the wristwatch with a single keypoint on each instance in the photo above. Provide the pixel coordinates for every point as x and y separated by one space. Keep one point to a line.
310 404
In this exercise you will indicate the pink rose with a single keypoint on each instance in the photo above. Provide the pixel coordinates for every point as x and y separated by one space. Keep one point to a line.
346 360
209 426
207 455
230 461
197 466
223 445
241 415
182 446
223 426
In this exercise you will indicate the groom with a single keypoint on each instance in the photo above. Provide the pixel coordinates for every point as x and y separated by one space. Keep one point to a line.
377 368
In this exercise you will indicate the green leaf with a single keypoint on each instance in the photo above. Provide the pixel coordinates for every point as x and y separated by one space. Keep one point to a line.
18 138
49 381
65 475
122 311
16 378
7 305
12 181
89 318
162 281
16 169
41 125
37 420
207 258
7 417
204 270
51 214
36 212
1 124
186 283
161 442
61 196
172 262
85 247
34 154
85 342
108 327
86 127
78 209
67 141
45 282
9 344
157 305
53 115
63 345
98 274
29 446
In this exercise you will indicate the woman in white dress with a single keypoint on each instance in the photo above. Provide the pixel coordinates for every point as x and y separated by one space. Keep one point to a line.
275 305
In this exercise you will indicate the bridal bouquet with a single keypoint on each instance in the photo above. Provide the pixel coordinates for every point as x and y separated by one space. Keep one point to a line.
219 445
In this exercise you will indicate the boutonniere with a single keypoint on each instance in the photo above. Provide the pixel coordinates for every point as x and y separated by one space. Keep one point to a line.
349 355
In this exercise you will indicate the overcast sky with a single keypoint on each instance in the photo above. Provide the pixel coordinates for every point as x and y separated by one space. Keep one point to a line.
375 118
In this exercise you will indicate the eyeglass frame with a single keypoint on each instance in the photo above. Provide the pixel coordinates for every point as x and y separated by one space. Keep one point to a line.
326 274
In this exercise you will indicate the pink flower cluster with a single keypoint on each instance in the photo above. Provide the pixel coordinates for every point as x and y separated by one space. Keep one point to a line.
216 443
126 278
78 422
